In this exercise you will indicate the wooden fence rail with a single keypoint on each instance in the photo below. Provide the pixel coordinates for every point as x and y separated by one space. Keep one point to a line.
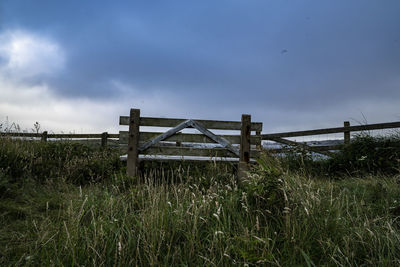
358 128
45 136
325 150
209 124
179 138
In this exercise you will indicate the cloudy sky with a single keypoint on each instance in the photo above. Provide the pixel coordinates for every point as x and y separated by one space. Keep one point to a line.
75 66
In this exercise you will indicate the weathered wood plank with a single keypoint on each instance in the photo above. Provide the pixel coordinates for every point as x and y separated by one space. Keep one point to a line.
189 151
44 136
104 137
376 126
193 159
113 135
244 148
245 138
133 143
220 140
209 124
71 136
22 134
258 133
315 148
188 138
213 160
74 135
304 146
346 137
165 135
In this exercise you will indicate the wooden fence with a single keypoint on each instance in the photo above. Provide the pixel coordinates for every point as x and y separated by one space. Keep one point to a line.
174 143
44 136
346 130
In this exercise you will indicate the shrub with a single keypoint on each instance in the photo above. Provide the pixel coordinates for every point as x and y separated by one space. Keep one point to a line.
364 155
367 154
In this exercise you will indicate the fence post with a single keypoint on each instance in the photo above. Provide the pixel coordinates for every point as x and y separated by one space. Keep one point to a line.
44 136
244 159
346 133
133 142
258 133
104 137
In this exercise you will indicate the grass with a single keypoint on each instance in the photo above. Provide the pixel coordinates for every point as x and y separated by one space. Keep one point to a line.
366 154
190 216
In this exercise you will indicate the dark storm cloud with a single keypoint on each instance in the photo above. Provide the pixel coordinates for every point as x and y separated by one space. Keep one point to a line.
334 51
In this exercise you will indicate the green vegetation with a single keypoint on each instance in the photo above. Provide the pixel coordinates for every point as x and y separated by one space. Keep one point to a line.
363 156
67 204
367 154
71 162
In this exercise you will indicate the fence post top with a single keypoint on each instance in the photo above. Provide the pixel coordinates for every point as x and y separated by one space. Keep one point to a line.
246 117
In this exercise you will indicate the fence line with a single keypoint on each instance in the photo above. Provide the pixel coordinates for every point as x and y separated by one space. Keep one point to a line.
325 150
45 135
358 128
276 137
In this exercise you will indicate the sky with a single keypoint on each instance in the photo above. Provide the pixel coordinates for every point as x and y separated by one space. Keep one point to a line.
76 66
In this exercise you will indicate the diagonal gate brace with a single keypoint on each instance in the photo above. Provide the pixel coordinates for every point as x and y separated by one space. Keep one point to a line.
218 139
165 135
190 123
304 146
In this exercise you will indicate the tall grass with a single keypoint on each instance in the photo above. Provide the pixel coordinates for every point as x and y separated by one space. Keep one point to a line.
42 161
182 216
333 223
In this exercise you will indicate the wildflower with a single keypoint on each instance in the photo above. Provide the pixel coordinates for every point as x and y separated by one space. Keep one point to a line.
286 210
119 247
362 158
219 210
219 233
306 211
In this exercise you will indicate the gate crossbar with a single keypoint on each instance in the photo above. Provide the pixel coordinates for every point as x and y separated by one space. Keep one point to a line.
220 140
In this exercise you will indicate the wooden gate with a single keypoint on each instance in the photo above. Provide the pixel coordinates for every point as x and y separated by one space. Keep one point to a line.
173 142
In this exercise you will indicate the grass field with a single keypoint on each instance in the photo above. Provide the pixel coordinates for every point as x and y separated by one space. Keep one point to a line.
66 204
